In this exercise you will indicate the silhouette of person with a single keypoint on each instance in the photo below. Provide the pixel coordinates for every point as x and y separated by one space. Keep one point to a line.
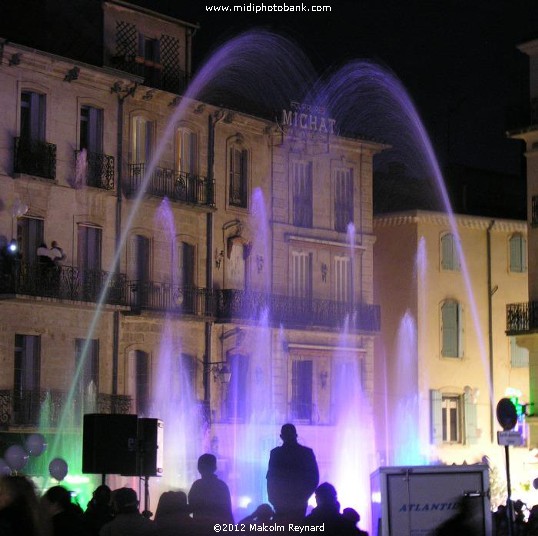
466 522
172 516
19 507
128 521
292 476
99 509
66 517
354 517
209 497
327 513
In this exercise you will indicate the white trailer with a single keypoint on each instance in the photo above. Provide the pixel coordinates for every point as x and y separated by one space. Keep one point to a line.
414 501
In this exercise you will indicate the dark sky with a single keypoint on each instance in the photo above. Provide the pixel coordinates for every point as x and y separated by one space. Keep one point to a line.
458 59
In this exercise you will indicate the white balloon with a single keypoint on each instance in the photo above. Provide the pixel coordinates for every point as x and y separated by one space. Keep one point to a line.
16 457
58 469
35 444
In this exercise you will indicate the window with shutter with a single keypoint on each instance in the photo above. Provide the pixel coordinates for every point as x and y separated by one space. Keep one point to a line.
449 253
451 329
518 253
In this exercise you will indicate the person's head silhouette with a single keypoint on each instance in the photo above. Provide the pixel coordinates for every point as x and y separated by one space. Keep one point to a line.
207 464
288 433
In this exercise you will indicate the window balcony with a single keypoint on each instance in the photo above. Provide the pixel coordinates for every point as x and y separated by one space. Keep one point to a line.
28 407
167 297
175 185
95 169
292 311
521 318
33 157
62 283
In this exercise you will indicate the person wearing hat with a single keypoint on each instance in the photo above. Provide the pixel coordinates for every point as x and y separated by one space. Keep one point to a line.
292 476
128 521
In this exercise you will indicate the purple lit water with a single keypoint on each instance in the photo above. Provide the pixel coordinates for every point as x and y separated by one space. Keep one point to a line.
361 97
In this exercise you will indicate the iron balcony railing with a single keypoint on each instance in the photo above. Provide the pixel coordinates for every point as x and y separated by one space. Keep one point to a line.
290 310
62 282
521 317
175 185
35 157
167 297
94 169
31 407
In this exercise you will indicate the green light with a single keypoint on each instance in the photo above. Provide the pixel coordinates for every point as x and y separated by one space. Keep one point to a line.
517 405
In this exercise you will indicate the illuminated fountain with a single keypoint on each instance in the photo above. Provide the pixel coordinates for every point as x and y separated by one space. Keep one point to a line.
359 94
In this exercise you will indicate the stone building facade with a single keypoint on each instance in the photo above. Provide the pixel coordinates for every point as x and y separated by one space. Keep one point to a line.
205 250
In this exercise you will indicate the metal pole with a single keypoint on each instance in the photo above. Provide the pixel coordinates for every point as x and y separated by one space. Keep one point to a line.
508 491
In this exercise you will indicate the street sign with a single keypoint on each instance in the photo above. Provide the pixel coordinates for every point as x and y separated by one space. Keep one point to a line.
510 438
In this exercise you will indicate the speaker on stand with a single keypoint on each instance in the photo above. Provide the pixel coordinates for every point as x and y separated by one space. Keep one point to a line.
109 444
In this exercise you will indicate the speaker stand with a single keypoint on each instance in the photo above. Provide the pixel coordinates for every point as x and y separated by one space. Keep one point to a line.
147 512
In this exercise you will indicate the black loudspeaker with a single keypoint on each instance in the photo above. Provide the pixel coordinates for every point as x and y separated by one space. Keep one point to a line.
109 444
150 451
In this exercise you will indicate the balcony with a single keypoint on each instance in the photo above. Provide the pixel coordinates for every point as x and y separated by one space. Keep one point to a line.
34 157
175 185
62 283
292 311
521 318
94 169
167 297
30 407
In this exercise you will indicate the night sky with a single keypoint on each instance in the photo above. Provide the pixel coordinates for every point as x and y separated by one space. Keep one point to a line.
457 58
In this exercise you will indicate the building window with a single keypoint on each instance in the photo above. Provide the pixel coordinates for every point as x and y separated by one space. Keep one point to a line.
453 418
301 390
450 415
89 248
301 280
186 151
91 129
449 254
343 199
149 53
87 370
452 329
519 356
518 253
142 140
238 167
30 237
342 279
302 194
27 377
32 116
236 401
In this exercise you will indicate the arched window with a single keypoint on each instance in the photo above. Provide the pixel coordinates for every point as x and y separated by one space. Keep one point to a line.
451 329
518 253
449 254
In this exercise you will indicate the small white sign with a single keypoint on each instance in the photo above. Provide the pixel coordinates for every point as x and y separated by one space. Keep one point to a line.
510 438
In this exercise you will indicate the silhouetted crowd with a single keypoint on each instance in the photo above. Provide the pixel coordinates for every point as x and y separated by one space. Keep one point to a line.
292 477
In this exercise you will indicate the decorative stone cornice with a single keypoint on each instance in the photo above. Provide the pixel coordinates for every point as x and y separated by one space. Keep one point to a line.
415 217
